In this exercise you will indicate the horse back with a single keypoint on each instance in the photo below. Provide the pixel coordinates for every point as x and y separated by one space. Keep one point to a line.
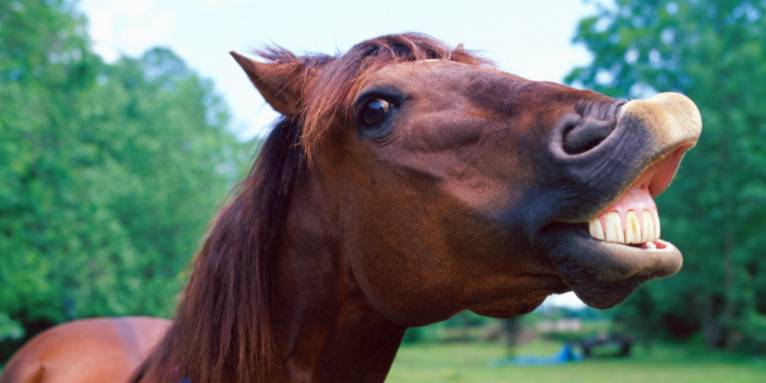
84 351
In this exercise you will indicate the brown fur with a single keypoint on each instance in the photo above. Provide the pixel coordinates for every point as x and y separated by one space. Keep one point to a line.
222 330
85 351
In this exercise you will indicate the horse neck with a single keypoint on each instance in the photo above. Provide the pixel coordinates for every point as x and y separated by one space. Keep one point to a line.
327 330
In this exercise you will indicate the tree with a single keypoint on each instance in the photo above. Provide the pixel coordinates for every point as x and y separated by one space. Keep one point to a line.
45 65
110 172
715 52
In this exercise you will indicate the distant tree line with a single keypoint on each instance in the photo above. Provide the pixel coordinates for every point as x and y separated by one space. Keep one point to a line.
715 212
109 172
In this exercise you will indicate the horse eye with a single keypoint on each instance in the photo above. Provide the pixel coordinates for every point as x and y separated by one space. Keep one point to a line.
374 111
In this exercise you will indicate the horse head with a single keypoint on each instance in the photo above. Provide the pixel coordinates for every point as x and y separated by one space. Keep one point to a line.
460 186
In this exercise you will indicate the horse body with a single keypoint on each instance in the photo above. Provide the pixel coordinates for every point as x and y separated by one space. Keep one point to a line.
407 182
90 350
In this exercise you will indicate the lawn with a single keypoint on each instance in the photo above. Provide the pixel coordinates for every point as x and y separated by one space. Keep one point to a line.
472 362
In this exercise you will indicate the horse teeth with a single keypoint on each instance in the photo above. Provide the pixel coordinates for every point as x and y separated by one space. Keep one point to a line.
614 231
639 227
595 228
647 226
632 228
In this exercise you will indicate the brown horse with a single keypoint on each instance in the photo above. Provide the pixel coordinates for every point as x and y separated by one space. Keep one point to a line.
405 182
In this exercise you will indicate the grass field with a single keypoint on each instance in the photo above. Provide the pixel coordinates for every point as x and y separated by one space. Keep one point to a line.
472 362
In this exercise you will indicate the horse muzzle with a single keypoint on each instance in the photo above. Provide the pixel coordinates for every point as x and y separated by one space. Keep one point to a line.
606 237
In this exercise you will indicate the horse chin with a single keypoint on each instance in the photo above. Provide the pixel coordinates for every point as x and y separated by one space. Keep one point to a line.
603 274
509 309
507 305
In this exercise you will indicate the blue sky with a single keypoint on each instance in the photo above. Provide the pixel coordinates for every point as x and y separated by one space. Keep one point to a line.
528 38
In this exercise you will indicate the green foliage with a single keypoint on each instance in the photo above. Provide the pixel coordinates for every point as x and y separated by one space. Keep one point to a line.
463 326
715 52
109 172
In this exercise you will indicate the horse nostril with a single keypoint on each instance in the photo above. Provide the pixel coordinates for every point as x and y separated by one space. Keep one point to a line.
585 134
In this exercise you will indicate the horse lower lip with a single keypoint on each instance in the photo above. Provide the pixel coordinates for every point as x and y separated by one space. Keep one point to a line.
653 245
602 273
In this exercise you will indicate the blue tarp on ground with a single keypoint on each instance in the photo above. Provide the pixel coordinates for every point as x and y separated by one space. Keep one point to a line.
566 355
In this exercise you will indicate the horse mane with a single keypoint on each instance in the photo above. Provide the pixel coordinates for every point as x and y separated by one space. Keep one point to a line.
223 329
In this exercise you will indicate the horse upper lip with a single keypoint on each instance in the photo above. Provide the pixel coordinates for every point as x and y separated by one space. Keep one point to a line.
632 217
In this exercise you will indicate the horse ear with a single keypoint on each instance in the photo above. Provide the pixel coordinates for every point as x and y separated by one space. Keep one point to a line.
280 83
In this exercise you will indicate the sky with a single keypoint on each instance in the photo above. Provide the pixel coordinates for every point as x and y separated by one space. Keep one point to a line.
528 38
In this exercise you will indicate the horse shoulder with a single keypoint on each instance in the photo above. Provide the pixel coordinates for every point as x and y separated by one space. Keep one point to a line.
90 350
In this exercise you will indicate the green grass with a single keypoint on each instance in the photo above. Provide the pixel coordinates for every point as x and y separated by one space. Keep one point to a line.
472 362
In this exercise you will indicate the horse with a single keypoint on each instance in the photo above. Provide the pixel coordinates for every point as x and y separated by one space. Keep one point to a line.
405 181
